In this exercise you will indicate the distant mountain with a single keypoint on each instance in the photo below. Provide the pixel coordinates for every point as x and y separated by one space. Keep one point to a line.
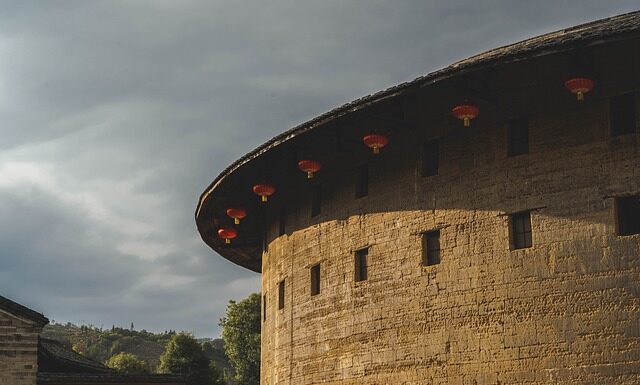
100 344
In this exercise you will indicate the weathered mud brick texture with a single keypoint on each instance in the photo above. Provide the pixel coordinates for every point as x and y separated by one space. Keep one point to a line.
18 350
566 310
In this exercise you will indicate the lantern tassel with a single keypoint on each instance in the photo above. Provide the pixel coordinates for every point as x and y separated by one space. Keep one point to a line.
309 174
467 122
236 221
264 198
227 241
376 150
580 95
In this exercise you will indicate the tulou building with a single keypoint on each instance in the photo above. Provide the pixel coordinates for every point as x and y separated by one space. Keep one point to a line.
477 225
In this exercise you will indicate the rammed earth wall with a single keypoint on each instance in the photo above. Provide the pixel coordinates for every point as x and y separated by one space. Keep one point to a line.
566 310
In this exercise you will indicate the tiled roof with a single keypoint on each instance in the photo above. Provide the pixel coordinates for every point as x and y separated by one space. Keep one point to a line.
22 311
58 365
107 378
53 356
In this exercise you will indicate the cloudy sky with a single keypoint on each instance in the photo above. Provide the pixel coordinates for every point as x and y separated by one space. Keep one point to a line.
115 115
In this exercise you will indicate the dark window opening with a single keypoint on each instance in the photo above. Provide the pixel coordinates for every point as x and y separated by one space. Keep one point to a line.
264 307
282 221
628 213
518 137
431 248
316 200
281 295
430 158
315 279
521 230
622 114
362 183
361 264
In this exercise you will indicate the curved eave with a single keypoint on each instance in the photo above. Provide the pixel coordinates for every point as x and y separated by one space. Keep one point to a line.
620 27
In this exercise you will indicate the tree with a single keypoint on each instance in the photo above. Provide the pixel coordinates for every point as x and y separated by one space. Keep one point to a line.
241 336
128 363
207 349
214 350
183 355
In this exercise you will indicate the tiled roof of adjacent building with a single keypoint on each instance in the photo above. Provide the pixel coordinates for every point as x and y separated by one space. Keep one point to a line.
107 378
58 365
53 356
22 311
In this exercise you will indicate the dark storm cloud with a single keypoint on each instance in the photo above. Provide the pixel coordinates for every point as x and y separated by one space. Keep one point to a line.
115 116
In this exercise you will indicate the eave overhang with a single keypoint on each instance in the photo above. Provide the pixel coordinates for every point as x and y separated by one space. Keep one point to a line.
219 193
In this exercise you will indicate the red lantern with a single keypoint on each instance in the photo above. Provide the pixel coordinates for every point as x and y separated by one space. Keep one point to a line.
310 167
236 214
227 233
466 112
579 86
376 142
264 191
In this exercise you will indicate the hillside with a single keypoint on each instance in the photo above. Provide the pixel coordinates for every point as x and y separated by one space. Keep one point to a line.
100 344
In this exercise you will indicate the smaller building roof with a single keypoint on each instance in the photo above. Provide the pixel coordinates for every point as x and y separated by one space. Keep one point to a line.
114 378
18 310
58 365
55 357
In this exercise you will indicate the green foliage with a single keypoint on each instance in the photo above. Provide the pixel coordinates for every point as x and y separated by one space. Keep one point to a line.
128 363
184 356
241 336
101 344
214 350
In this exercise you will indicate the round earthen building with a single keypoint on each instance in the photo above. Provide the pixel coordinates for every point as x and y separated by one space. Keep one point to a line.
477 225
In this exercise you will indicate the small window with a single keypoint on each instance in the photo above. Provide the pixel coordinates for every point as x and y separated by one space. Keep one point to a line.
264 307
431 248
622 114
282 221
361 264
430 158
281 295
518 132
521 230
362 183
316 200
315 279
628 213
